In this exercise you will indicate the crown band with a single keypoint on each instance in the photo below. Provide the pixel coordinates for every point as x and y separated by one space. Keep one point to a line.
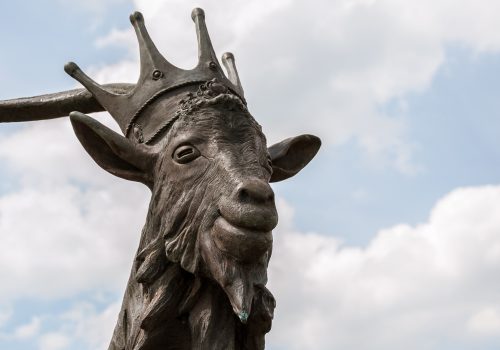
208 91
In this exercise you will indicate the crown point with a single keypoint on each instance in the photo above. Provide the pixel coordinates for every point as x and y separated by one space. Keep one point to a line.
71 68
228 56
197 12
136 17
76 115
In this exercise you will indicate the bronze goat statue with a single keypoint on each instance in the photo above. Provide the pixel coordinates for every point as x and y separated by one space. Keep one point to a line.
199 275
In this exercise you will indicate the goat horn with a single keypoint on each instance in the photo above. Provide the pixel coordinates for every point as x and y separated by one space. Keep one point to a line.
55 105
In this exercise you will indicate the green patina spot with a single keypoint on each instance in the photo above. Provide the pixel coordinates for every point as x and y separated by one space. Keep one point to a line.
243 316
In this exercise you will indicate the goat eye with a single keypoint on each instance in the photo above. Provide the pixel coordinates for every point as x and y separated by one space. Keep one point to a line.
185 154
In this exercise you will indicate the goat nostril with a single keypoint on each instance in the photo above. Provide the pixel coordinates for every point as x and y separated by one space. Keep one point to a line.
255 191
243 195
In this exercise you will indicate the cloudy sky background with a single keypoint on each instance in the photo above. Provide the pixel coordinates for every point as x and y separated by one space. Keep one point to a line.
389 239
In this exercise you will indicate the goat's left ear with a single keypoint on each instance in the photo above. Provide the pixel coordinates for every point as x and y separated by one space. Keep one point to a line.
113 152
291 155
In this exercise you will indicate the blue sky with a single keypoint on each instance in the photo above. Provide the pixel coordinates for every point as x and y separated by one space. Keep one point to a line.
35 44
406 102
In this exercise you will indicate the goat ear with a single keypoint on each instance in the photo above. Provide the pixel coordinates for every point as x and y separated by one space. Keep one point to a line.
291 155
113 152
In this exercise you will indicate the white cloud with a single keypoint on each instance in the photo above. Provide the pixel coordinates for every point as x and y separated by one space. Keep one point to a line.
22 332
71 227
53 341
28 330
485 322
83 325
86 325
410 287
5 315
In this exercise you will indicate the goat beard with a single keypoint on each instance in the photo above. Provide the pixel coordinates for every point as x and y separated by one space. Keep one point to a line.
238 280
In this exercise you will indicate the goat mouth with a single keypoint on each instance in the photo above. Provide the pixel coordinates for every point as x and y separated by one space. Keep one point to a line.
240 242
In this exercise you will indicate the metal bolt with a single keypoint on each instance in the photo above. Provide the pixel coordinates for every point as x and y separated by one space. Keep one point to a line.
212 65
157 74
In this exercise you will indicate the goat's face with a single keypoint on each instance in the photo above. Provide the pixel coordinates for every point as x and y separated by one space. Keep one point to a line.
211 200
221 158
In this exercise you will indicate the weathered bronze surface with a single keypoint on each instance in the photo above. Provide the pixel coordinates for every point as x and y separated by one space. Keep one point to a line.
199 275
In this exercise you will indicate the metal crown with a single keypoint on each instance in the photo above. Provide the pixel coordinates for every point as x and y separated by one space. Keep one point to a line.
158 77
